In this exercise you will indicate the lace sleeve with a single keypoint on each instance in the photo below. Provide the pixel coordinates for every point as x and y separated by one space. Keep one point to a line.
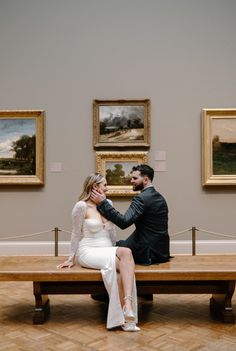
78 214
112 230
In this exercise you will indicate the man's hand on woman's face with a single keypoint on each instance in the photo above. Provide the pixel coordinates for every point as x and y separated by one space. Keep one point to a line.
97 196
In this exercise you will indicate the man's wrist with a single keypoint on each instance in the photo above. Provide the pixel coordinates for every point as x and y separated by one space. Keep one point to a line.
102 201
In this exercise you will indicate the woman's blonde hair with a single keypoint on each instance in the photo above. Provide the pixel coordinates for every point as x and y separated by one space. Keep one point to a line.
94 178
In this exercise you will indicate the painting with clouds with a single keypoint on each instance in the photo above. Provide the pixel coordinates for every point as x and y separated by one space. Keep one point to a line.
121 123
17 146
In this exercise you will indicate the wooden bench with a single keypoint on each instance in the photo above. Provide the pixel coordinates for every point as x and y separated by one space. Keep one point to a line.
202 274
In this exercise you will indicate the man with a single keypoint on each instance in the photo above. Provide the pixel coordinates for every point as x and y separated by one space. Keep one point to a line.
148 211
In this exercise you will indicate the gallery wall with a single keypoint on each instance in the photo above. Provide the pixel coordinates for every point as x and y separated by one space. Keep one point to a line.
59 55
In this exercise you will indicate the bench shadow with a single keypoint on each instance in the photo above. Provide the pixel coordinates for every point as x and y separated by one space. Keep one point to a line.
86 311
78 311
171 311
20 313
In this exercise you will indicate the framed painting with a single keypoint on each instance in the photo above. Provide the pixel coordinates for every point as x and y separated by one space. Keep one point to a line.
116 168
121 123
22 147
218 147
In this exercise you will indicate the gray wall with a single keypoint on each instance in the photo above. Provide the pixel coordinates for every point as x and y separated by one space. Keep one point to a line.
58 55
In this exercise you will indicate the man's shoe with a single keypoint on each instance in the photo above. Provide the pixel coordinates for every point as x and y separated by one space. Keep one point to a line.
100 297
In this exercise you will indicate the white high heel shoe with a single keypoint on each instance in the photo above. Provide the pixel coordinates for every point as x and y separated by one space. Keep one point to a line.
130 327
129 315
130 324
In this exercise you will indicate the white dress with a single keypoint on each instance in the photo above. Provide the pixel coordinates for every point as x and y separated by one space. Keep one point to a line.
94 245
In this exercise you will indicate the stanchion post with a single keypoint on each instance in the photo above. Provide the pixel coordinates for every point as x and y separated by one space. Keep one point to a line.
56 230
193 241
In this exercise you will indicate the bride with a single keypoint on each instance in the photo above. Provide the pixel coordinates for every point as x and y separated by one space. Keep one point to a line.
93 243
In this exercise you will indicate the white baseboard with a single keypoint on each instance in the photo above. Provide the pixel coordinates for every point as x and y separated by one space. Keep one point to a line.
177 247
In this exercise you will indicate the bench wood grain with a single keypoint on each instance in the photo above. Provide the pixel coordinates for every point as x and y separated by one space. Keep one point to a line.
184 274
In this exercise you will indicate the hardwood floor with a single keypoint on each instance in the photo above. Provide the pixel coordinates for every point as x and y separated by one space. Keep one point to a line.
169 323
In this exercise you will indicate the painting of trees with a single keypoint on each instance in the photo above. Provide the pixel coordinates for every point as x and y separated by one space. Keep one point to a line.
22 147
116 175
25 153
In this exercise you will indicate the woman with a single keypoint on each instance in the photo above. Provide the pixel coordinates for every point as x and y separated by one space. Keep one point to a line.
93 239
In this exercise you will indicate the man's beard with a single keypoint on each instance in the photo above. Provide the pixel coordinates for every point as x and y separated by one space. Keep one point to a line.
138 187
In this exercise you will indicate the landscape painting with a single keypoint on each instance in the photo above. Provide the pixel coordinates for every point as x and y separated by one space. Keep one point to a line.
118 173
219 146
121 123
224 145
21 147
116 167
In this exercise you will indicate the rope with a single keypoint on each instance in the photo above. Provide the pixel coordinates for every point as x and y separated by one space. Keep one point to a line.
27 235
65 231
68 232
218 234
178 233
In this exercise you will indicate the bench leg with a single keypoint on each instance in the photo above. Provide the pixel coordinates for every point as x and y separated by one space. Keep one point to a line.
42 305
220 304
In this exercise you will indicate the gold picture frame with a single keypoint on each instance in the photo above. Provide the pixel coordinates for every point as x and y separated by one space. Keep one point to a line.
121 123
116 168
219 146
22 147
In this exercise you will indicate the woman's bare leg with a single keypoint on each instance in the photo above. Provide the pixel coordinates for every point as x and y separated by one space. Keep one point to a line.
125 265
120 285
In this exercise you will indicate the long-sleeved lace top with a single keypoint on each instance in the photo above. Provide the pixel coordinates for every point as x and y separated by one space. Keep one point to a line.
78 216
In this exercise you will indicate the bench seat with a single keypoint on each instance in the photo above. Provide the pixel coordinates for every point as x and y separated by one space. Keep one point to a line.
201 274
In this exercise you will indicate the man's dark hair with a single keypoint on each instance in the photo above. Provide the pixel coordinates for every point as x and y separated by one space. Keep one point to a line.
144 170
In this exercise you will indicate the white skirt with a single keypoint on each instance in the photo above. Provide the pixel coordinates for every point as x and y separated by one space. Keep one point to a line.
98 253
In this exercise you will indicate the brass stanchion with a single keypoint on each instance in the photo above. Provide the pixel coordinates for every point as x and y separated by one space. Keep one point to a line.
56 230
193 241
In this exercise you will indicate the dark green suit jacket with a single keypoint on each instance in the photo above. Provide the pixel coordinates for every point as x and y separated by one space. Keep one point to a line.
148 211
